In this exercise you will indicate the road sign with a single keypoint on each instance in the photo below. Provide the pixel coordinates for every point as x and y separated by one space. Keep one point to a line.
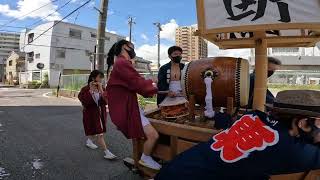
40 65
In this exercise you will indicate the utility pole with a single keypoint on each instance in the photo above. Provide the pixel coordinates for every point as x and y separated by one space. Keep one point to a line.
158 25
130 22
101 34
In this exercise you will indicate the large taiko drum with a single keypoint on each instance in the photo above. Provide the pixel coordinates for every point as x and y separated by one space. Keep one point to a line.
231 79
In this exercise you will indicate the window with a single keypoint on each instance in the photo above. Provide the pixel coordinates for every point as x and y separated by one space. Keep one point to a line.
30 56
107 38
38 56
60 53
73 33
93 35
36 76
30 37
10 63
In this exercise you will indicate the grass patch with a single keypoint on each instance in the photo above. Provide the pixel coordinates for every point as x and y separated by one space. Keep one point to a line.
281 87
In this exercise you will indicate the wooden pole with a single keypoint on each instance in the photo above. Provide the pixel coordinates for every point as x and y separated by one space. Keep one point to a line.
192 103
261 67
101 34
230 105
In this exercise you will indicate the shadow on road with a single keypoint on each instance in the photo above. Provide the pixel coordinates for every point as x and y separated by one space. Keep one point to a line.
53 137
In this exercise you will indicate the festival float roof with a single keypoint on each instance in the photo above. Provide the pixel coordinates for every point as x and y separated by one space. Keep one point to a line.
232 23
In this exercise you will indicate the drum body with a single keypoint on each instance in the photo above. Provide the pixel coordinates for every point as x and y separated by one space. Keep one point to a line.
232 80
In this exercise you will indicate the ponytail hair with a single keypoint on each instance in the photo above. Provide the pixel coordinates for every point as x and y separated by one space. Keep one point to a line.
115 51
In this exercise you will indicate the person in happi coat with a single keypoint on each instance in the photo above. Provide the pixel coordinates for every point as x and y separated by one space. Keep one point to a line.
169 75
122 88
93 101
257 145
274 64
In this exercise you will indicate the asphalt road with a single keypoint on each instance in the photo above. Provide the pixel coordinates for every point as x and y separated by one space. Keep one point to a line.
42 138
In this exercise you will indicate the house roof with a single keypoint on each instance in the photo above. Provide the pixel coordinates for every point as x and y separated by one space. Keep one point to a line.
20 54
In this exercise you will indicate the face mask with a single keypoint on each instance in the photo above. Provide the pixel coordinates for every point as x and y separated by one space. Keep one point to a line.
270 73
131 53
308 137
177 59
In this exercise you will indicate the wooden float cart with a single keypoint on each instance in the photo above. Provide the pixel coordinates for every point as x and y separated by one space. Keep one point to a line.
258 26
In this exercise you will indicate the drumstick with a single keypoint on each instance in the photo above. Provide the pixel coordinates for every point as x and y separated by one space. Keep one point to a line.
163 92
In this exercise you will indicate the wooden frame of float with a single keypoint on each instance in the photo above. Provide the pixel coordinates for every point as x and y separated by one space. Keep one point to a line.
182 137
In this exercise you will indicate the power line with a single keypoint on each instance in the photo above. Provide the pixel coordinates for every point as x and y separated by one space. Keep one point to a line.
59 21
40 31
40 20
14 19
66 37
76 18
58 47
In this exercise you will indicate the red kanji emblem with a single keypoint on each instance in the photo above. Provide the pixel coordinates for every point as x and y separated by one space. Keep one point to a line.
248 134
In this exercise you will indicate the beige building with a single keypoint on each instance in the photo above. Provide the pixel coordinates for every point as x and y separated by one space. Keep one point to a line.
194 47
8 42
15 65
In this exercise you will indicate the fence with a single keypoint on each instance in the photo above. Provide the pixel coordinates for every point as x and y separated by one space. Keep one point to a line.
296 77
28 76
74 82
77 81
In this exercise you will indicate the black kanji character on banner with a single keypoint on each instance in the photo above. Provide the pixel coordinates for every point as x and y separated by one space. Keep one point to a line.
262 4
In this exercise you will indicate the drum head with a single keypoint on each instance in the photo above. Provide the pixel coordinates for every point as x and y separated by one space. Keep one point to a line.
169 101
184 79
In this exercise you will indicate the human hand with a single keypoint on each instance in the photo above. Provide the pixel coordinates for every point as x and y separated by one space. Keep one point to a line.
155 79
93 86
172 94
99 85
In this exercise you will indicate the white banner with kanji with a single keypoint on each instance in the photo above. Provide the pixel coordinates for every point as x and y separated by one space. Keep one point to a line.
230 13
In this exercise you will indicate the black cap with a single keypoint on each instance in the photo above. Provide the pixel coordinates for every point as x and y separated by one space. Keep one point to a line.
173 49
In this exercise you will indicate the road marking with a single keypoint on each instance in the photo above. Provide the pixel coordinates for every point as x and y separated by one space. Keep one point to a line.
47 94
37 164
3 173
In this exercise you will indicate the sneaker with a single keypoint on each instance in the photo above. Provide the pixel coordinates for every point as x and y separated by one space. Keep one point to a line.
91 145
109 155
147 161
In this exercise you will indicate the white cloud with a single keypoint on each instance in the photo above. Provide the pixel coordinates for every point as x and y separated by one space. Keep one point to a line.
214 51
150 52
92 4
169 30
144 37
113 32
110 12
26 6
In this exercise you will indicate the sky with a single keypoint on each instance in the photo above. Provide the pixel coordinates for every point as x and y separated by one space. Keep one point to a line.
170 13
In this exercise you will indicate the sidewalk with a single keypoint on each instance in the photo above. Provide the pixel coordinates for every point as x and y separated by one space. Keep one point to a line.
6 86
